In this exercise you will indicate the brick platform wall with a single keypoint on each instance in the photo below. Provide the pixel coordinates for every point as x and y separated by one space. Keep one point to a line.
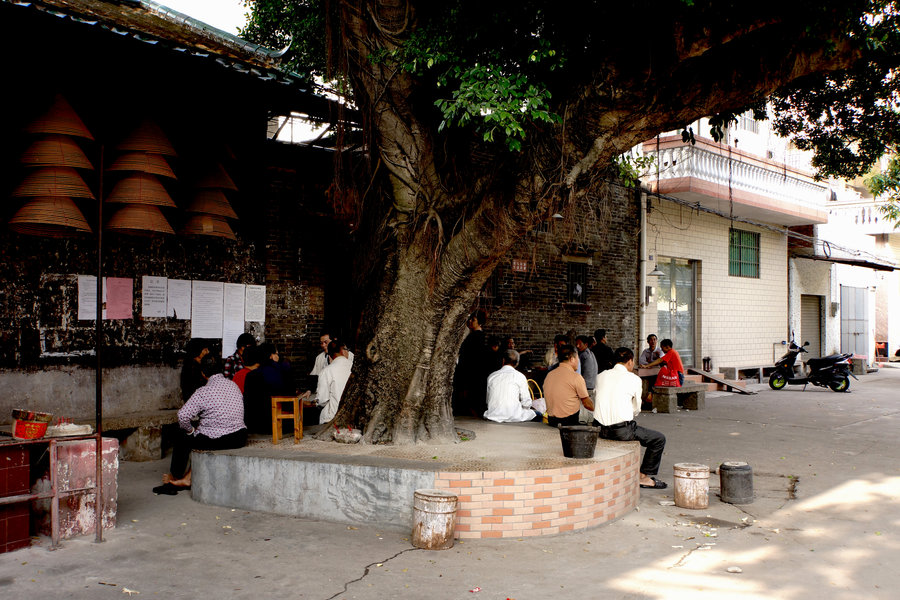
494 504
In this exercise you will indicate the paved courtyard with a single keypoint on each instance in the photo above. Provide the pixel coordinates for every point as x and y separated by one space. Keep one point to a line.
825 524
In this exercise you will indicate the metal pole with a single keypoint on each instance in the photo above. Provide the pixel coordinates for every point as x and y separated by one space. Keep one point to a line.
98 379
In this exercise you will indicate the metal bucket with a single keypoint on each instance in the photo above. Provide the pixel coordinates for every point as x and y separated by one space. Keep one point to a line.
578 441
736 482
434 519
691 485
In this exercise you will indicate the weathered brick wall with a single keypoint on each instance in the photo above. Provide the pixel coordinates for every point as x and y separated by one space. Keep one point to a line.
532 306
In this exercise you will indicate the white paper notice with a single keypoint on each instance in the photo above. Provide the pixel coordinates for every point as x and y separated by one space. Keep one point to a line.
207 304
255 309
153 296
234 317
178 299
87 298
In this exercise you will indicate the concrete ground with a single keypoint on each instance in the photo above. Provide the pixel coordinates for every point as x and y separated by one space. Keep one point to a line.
825 524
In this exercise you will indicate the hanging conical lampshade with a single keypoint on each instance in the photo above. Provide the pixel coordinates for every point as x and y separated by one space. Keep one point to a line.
60 118
215 177
208 225
140 188
139 219
143 162
147 137
53 181
212 202
56 151
49 217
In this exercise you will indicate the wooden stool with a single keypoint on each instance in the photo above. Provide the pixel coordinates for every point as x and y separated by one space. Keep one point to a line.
279 415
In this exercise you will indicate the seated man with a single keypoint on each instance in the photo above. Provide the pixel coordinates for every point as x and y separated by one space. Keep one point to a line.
651 353
235 362
219 410
671 358
618 401
508 398
565 390
332 380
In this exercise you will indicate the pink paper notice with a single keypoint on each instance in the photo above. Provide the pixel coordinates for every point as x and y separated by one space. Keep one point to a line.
119 298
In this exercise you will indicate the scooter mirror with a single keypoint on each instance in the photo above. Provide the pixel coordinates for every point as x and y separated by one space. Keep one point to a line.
806 343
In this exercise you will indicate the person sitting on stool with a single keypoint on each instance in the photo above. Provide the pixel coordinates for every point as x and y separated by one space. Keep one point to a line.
618 400
218 407
565 390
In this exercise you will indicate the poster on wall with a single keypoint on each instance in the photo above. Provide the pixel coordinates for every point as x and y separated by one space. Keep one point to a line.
255 309
207 305
87 298
233 317
178 299
119 298
153 296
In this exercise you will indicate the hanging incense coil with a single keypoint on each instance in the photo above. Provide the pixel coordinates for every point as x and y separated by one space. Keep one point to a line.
60 118
54 181
49 217
140 188
139 219
212 202
147 137
208 225
215 177
56 151
143 162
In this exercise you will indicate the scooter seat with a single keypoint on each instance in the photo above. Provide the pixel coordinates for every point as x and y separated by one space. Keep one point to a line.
825 361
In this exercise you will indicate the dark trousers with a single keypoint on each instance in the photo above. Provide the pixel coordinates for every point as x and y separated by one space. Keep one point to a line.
653 441
184 443
570 420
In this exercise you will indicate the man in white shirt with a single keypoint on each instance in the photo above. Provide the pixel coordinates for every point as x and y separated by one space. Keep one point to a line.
617 401
508 398
323 359
332 380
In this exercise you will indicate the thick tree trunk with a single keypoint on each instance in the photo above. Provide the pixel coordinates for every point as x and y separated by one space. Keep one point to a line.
440 210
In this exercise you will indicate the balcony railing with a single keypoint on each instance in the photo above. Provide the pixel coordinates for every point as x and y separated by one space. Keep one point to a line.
739 172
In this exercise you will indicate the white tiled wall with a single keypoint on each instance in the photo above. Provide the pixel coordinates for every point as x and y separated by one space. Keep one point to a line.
739 318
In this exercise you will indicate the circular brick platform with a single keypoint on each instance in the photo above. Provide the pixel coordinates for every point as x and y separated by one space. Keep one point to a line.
511 480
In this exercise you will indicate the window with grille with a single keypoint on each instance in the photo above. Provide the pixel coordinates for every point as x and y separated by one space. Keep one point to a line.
743 253
577 282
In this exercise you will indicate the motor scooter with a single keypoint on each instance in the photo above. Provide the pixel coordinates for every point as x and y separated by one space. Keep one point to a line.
829 371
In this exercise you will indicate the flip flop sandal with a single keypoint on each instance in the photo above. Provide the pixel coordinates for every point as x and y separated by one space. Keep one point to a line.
657 485
167 489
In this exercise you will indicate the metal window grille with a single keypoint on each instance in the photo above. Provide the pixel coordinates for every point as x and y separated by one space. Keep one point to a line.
743 253
577 282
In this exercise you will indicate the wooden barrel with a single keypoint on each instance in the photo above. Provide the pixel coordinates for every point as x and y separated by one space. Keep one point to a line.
691 485
434 519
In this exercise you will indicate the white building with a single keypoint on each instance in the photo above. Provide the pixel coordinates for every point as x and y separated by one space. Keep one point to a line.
751 248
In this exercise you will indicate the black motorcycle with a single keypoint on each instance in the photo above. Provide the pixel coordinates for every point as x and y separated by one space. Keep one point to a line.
829 371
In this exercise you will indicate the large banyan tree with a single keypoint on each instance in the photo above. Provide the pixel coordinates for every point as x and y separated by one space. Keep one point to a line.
481 119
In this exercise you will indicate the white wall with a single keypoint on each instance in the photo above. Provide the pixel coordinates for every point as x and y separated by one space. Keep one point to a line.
739 318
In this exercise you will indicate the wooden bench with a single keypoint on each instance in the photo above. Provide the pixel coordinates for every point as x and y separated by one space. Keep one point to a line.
691 396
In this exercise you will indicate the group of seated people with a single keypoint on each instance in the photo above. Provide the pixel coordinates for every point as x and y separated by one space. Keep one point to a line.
224 403
510 400
611 404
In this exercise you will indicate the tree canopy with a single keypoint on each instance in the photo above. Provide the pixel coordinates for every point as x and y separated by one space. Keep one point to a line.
482 119
502 68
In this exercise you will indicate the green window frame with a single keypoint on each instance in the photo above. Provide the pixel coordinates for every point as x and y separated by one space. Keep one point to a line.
743 253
